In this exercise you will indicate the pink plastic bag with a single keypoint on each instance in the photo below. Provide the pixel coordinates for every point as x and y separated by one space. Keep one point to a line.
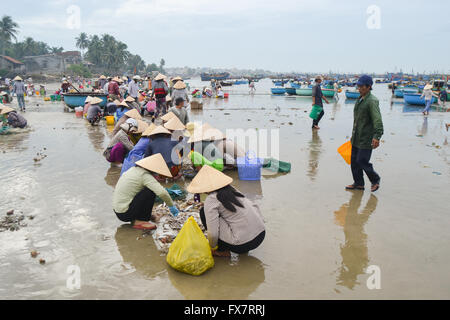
151 106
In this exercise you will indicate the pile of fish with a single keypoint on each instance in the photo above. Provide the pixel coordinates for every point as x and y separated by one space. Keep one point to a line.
168 226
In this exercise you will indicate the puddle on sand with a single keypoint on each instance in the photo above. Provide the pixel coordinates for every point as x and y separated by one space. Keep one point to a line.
320 238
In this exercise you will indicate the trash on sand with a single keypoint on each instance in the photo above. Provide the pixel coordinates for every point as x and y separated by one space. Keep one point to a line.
437 173
42 261
12 222
168 226
34 253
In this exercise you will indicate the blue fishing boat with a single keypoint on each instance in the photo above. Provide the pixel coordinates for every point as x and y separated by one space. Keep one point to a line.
295 85
241 82
291 91
398 93
351 94
415 99
74 100
278 90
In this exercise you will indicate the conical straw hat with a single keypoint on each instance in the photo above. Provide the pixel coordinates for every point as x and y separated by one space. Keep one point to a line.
116 102
158 130
190 129
155 163
6 109
212 134
88 99
133 113
142 126
179 85
208 179
177 78
3 93
129 99
174 124
96 100
102 77
149 130
160 76
168 116
125 104
17 78
428 87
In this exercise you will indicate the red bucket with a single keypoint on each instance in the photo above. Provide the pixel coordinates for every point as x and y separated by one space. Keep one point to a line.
79 114
225 95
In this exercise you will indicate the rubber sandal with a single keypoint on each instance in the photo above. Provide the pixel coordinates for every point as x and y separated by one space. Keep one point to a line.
145 226
375 187
353 187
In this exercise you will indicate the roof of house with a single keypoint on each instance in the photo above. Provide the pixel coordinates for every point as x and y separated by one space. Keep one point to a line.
11 60
69 53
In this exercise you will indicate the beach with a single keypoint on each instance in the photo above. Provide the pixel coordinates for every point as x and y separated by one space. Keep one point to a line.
320 238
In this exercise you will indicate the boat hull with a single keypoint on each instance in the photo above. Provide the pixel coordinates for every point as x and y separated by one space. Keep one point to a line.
306 92
329 93
351 94
278 90
217 76
415 99
290 91
74 100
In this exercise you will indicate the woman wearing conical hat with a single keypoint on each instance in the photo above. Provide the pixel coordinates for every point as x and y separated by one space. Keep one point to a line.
234 223
13 119
161 141
19 90
138 151
137 189
94 113
122 141
159 92
123 114
179 91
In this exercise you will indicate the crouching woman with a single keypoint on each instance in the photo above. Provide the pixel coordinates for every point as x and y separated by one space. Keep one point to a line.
137 189
234 223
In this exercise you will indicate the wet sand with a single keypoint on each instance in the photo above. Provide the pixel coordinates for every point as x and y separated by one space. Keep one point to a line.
320 238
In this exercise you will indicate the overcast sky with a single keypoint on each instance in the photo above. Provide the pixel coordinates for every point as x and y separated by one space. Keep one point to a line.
279 35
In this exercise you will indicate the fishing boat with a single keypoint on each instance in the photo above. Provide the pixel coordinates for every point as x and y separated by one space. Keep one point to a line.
291 91
329 93
351 94
398 93
307 92
295 85
216 76
74 100
415 99
241 82
278 90
226 83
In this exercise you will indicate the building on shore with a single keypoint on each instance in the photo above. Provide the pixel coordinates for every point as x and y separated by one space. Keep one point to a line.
52 63
11 65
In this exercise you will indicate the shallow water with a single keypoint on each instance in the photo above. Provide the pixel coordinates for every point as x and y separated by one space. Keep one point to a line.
320 238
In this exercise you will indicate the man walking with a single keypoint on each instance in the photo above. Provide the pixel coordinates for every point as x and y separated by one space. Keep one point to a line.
19 90
367 131
317 97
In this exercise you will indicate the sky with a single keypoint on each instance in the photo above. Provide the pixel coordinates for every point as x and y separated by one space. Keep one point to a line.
278 35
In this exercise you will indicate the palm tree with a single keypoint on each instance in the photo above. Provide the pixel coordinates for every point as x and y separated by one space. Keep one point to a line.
82 41
8 31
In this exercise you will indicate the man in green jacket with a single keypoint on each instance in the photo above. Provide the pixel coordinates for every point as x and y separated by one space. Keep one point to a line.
367 131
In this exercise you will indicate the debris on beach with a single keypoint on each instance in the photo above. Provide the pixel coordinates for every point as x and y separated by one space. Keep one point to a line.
40 156
168 226
34 254
12 222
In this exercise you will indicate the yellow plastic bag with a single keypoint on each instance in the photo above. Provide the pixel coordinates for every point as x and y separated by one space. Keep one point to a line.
190 251
346 152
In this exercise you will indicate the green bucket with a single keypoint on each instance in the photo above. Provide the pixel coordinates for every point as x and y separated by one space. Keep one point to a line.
316 110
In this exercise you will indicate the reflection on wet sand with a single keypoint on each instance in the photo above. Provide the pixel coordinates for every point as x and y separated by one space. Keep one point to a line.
315 148
140 254
113 175
242 278
355 255
424 128
15 140
97 136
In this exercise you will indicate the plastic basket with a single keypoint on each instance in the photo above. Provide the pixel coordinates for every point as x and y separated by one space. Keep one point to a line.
249 167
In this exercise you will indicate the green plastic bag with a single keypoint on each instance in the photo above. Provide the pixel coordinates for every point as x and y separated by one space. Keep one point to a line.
190 251
199 160
277 165
316 110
